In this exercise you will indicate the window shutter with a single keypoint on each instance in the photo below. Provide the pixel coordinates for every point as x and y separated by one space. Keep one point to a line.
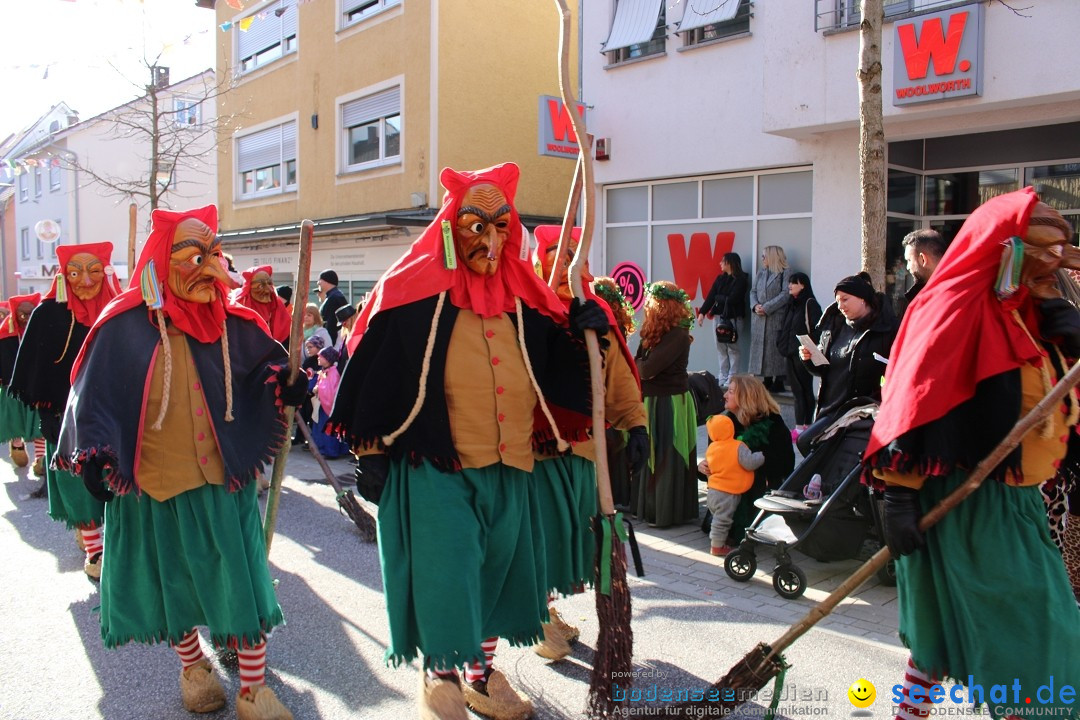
263 32
288 141
635 22
372 107
260 149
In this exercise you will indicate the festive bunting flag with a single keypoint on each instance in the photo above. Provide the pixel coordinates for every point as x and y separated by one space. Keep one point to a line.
226 26
245 24
235 4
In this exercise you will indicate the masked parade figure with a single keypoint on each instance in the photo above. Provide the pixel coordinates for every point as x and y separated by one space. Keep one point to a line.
459 364
82 288
567 483
258 294
18 423
983 594
173 454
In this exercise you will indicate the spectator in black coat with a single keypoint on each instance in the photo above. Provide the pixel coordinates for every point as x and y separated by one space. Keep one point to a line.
332 299
855 332
726 301
801 317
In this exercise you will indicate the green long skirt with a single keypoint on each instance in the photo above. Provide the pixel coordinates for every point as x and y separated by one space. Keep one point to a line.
69 501
987 601
17 419
462 560
666 492
566 489
196 559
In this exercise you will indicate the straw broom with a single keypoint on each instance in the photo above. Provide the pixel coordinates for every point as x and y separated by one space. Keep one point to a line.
614 646
296 335
764 662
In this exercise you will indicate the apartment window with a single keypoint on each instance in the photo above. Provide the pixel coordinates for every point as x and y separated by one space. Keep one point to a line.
639 29
846 13
54 175
187 113
266 161
270 36
24 243
164 174
54 243
24 188
705 20
353 11
37 182
372 129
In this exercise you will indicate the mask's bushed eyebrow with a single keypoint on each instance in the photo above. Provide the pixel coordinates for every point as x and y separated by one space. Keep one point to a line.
473 210
194 242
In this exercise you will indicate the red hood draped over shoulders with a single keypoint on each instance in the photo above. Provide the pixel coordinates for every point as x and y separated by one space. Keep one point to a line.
956 332
8 328
202 321
85 311
547 236
421 272
273 313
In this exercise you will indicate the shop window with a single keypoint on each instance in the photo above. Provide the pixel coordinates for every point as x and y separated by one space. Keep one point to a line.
264 158
728 197
705 20
897 279
353 11
675 201
372 130
270 35
961 193
903 192
784 193
1058 185
639 29
357 289
628 204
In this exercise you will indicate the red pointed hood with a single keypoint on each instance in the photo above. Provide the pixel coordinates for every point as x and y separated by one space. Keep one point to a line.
273 313
86 311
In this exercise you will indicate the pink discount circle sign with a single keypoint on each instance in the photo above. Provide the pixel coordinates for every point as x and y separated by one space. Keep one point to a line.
631 281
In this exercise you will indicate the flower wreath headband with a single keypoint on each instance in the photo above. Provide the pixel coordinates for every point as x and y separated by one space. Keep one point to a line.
658 291
614 297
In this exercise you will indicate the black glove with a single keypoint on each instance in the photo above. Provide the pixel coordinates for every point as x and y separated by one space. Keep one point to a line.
587 315
292 394
371 472
93 476
50 426
901 520
637 448
1061 323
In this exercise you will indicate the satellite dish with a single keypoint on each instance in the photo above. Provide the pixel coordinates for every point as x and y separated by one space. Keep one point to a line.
47 230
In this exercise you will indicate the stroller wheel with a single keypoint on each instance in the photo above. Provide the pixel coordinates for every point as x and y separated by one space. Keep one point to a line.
887 574
740 566
789 581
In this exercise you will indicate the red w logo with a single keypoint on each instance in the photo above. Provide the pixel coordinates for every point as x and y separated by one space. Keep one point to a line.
701 263
561 125
936 45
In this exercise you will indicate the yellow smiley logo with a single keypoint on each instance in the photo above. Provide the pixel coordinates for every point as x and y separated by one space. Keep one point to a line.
861 693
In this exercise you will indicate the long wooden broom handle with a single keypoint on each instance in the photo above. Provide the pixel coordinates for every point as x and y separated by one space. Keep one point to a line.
1036 415
596 374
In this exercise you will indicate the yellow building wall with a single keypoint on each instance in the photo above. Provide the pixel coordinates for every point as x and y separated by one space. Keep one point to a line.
327 65
495 61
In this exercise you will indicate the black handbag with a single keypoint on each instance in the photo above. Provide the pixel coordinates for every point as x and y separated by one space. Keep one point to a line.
725 331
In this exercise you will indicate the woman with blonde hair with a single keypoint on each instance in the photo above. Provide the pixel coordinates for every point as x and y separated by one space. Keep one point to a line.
758 424
665 492
768 298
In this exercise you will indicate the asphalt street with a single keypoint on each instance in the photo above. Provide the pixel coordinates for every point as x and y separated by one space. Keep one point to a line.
691 624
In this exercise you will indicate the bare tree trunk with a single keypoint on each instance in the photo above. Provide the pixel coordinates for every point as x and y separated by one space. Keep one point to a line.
872 142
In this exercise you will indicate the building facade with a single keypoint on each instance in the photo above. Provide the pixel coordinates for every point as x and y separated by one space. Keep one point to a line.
72 175
349 109
731 125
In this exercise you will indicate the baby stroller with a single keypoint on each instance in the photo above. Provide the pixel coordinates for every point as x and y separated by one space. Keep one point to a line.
835 526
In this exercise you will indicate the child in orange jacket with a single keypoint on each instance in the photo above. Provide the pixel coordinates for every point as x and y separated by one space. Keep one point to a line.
731 473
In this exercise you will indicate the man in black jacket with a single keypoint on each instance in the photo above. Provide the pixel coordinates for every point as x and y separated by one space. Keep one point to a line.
332 300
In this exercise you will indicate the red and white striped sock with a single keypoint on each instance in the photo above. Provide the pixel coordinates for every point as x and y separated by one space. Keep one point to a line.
189 650
474 672
914 677
441 674
39 449
252 666
92 539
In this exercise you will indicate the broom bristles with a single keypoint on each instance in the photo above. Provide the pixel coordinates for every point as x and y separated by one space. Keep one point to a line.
615 643
742 681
